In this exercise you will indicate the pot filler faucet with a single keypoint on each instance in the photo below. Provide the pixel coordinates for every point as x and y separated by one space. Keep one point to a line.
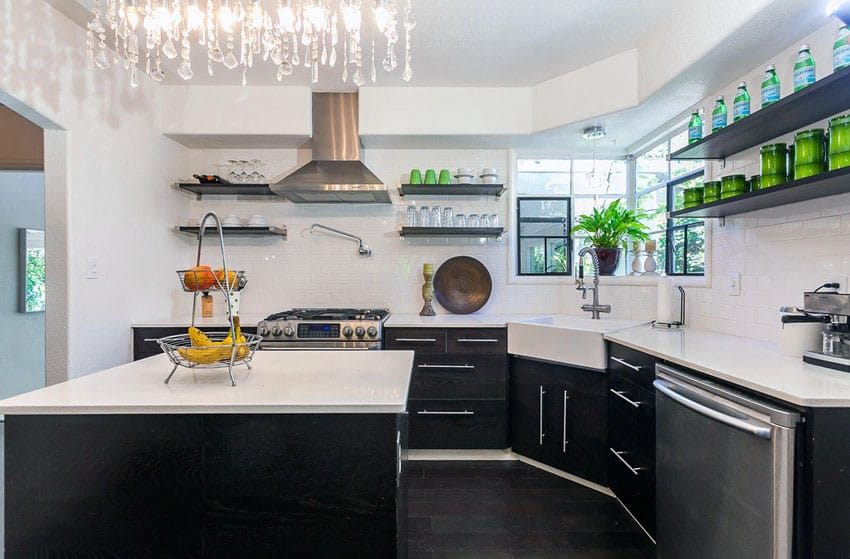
362 249
594 308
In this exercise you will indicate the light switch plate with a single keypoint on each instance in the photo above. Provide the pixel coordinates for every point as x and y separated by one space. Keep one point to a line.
734 283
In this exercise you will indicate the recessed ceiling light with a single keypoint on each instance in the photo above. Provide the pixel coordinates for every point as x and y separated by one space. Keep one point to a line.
593 133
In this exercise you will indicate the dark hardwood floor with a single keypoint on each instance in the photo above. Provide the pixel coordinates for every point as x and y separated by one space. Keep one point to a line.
503 509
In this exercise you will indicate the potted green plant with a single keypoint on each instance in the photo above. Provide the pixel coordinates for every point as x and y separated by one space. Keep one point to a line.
608 230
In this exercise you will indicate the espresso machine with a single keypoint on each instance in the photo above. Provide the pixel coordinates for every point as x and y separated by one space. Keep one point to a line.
835 352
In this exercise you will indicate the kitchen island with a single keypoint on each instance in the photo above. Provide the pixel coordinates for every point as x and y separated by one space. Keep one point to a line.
301 458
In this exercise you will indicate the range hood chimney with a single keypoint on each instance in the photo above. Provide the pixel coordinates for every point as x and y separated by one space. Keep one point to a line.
336 174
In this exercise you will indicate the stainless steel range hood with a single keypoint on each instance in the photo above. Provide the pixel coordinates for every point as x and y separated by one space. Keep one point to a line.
336 174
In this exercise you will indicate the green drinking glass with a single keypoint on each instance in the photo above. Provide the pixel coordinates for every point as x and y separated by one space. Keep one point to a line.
430 176
445 177
415 176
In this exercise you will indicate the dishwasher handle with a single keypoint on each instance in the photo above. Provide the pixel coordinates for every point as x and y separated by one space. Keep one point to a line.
753 428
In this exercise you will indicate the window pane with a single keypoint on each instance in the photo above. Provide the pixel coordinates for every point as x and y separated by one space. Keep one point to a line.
696 249
532 259
655 205
677 251
555 208
652 168
543 176
584 206
661 251
558 256
552 227
603 176
682 166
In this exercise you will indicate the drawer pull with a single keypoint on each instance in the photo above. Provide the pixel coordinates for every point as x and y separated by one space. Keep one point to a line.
426 412
426 366
564 439
626 363
478 340
542 392
619 455
151 339
620 394
417 340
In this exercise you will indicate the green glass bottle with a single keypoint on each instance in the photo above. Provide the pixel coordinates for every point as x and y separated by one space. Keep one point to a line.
770 91
841 49
719 115
741 106
694 128
804 69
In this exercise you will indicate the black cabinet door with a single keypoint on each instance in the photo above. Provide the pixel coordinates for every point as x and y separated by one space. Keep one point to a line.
558 416
580 422
531 429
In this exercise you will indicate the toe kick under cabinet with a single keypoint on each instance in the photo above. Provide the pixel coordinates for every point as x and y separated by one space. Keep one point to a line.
458 392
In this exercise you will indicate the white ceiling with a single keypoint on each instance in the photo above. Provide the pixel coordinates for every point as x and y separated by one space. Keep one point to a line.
472 42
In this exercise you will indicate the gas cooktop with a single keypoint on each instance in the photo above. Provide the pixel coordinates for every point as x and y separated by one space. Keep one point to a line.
323 329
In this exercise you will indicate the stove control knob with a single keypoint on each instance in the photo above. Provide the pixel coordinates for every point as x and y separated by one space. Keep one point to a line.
347 332
360 331
288 332
372 331
276 331
264 331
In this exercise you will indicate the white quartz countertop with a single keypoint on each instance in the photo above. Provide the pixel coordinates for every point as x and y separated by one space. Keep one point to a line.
279 382
220 320
474 320
751 364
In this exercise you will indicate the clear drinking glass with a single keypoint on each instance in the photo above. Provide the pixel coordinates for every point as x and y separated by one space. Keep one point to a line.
494 220
447 217
436 216
484 220
412 216
460 220
473 221
424 216
244 171
233 170
256 175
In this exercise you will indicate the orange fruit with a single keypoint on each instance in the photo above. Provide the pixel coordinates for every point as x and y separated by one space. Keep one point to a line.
199 278
231 283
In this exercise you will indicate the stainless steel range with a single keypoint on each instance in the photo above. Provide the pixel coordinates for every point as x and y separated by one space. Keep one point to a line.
323 329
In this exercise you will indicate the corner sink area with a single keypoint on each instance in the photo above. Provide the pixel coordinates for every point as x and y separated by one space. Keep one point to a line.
567 339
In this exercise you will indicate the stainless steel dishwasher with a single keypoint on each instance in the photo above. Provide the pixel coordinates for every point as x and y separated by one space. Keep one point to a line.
724 471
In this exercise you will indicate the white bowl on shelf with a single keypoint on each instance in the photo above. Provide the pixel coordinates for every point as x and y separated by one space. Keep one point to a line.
464 179
490 179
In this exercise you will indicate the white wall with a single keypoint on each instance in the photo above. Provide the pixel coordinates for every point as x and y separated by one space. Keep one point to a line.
779 252
322 270
107 176
22 346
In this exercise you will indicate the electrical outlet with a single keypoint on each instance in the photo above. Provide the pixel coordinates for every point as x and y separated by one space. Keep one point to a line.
92 271
734 283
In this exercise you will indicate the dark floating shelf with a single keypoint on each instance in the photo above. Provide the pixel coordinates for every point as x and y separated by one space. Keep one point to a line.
451 231
227 189
824 98
238 231
451 190
819 186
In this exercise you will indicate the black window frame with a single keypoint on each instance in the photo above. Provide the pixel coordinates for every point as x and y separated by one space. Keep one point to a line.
568 238
672 227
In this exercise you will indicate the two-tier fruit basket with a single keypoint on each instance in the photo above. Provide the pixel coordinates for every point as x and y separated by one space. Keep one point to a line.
212 350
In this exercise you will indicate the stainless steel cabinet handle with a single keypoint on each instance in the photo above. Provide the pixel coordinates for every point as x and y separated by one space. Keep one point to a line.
154 339
758 429
619 455
626 363
542 392
464 412
564 441
478 340
423 340
620 394
427 366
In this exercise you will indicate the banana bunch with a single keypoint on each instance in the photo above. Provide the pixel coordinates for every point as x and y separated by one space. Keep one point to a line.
205 351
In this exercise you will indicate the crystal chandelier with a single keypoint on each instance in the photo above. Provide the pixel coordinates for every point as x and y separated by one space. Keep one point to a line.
235 33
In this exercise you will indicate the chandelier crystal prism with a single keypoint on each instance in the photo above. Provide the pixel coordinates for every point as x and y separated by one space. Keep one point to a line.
139 34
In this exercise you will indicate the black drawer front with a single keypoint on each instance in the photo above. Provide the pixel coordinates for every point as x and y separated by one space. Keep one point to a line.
457 424
635 490
420 340
625 364
144 339
477 340
459 376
